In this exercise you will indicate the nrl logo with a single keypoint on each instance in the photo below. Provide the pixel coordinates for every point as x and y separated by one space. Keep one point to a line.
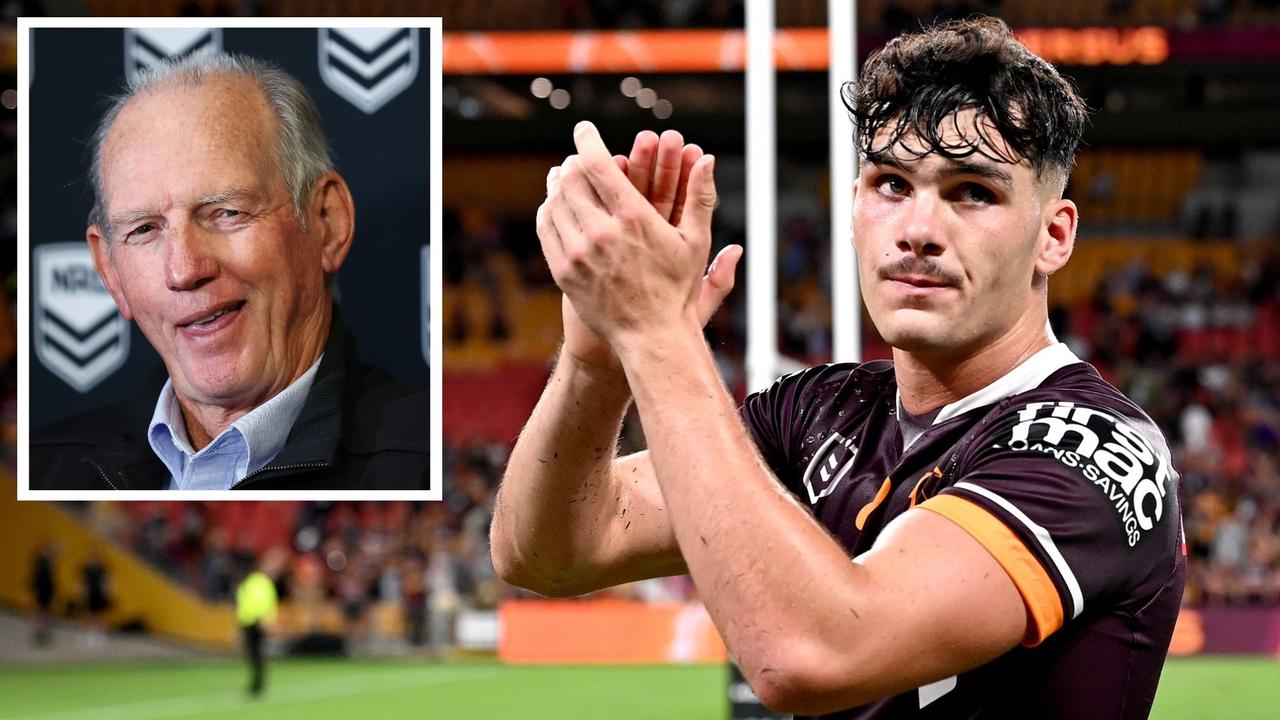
144 47
79 334
832 463
368 66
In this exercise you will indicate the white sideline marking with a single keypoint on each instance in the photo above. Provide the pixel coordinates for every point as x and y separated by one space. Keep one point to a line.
276 694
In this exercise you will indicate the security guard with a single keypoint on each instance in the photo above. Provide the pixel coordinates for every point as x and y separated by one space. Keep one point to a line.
256 604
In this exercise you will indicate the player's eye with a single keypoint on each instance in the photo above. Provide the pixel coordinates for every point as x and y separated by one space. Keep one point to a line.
891 185
975 193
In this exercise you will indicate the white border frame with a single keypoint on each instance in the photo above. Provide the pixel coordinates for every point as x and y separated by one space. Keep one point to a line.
433 27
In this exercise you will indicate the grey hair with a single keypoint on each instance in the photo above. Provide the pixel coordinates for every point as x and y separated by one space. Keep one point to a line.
301 151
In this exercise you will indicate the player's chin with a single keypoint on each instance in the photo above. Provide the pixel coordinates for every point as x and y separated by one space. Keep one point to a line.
917 331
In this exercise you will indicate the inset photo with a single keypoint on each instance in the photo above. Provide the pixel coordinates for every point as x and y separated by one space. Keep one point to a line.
228 258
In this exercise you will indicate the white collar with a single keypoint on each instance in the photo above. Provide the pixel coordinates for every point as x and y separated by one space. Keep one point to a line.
1027 375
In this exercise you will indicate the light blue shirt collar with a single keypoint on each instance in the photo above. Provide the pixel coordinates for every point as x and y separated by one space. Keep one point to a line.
243 448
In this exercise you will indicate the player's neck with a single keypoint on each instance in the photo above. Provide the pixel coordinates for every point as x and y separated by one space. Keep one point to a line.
927 381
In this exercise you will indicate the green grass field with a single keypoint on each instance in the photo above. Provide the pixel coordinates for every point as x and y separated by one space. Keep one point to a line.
1201 689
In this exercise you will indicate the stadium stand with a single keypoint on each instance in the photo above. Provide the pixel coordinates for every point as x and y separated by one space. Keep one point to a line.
1174 292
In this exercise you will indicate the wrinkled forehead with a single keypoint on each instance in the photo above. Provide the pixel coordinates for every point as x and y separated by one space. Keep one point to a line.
221 125
962 135
223 109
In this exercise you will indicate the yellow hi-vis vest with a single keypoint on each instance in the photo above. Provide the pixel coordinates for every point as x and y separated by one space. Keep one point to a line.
256 599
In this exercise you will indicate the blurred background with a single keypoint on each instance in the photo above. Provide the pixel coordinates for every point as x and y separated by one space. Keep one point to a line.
1172 293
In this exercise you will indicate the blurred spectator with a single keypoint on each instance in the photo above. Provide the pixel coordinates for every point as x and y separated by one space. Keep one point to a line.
43 589
97 595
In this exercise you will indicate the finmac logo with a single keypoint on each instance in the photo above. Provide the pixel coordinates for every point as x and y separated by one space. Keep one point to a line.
144 47
368 66
78 333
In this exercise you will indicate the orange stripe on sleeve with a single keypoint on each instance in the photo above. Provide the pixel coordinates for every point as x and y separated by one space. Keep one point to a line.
1044 605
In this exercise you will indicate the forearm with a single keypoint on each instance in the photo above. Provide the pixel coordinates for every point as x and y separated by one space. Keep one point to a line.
557 498
760 561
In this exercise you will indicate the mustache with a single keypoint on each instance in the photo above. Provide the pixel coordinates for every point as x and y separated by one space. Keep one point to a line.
924 266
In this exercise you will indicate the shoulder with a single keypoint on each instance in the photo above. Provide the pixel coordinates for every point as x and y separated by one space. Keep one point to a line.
1076 409
1076 450
823 380
385 413
779 417
58 451
91 428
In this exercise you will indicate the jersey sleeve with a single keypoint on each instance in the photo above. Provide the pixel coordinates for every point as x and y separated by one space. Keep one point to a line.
769 418
1077 503
778 418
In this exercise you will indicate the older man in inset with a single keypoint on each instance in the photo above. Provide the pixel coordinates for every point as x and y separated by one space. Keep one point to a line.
219 225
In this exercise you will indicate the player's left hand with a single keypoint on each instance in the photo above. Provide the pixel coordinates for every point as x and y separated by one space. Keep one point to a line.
627 270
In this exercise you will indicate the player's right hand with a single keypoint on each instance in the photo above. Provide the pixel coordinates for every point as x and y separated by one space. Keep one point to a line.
659 168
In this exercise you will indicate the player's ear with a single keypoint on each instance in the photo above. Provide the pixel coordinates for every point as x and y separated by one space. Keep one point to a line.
333 216
1057 236
104 263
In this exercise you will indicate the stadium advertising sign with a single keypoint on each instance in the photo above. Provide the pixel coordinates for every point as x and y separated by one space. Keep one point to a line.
1098 46
795 49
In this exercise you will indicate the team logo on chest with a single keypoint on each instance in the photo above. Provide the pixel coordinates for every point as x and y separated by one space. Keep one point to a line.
144 47
829 466
77 332
368 66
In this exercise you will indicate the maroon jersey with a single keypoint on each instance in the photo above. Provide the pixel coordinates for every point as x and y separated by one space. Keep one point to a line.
1068 485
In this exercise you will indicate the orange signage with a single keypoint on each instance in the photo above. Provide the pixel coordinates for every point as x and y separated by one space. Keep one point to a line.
1098 46
607 631
1188 633
667 51
676 51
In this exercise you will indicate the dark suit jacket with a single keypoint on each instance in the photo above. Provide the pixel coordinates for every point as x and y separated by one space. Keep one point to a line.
360 429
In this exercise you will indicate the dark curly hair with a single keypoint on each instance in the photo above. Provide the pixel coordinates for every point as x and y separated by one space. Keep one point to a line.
917 81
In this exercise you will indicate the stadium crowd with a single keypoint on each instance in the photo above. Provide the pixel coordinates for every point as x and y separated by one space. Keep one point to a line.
1199 349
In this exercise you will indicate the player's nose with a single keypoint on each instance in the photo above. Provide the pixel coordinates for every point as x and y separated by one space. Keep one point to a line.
921 232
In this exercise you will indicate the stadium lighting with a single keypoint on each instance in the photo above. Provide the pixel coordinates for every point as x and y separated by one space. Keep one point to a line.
337 561
630 85
646 98
469 108
663 109
560 99
541 87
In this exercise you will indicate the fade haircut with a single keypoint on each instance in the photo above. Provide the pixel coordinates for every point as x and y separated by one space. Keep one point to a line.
300 151
916 84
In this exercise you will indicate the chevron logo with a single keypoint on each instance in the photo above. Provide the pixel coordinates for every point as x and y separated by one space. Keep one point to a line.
78 333
144 47
368 66
831 464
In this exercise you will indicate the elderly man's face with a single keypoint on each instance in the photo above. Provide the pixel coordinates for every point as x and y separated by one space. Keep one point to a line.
203 249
